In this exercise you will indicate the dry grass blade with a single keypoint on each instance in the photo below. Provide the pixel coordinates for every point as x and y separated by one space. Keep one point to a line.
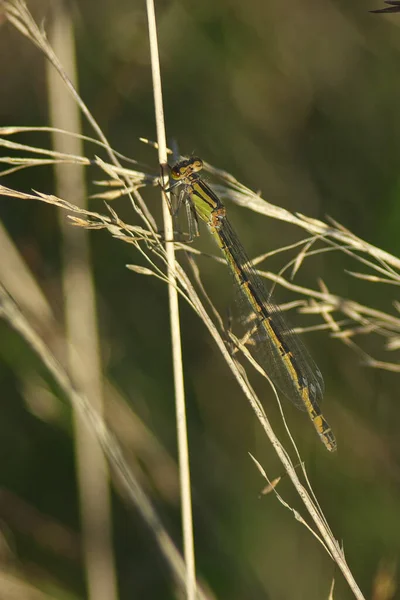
272 487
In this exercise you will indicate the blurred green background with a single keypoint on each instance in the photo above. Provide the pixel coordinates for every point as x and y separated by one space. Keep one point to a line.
300 101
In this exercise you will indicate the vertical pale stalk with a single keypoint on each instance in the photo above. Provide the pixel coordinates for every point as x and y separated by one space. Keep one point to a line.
184 467
81 323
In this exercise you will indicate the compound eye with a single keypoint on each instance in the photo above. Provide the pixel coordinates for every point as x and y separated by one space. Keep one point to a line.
175 173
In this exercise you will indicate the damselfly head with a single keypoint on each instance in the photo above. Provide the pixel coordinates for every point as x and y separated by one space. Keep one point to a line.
185 168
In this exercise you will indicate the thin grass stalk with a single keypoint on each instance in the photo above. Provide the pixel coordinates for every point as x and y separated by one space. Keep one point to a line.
180 407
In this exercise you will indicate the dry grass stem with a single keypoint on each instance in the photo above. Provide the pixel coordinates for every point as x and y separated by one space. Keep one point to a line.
177 362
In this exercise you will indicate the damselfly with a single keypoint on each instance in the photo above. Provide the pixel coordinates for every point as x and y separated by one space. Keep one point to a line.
277 349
